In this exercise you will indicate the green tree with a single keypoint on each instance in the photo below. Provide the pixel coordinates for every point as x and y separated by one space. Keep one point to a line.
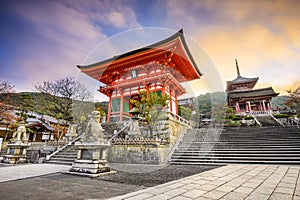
151 105
185 112
26 106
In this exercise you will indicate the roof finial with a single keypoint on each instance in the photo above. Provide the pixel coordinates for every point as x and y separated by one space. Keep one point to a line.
237 68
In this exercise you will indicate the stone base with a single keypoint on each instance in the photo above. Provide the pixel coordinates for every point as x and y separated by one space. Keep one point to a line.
88 174
90 166
13 159
16 153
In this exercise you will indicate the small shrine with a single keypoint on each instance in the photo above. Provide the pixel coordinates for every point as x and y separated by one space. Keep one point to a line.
160 67
244 99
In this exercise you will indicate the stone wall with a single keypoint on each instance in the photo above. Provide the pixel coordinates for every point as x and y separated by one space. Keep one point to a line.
156 154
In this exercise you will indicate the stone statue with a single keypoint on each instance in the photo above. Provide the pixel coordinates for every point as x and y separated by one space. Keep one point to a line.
20 134
94 130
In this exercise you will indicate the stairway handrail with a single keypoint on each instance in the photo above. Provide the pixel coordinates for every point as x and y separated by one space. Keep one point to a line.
180 119
63 147
276 120
256 120
121 130
175 147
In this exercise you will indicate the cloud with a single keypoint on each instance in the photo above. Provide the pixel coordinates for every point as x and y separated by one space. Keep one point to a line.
116 19
263 36
58 36
114 13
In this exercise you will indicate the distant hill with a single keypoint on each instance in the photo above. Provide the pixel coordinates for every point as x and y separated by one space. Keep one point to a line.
279 102
38 102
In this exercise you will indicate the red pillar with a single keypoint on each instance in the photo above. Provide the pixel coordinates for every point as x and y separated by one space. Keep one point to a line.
121 105
109 109
176 103
171 101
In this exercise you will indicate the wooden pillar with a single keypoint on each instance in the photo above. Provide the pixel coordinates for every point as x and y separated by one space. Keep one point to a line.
264 105
248 104
171 101
271 108
176 103
237 107
121 105
163 91
109 109
260 106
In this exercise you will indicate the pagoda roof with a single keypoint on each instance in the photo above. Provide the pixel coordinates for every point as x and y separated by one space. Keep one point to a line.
251 82
172 51
263 92
241 79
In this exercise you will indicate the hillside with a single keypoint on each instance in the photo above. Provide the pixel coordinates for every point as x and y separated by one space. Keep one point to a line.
40 102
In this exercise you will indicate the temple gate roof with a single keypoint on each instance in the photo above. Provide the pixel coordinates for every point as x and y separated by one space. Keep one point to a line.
172 52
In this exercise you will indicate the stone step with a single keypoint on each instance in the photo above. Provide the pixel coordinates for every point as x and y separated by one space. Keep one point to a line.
67 153
63 159
228 162
244 142
243 145
246 156
237 158
243 149
64 156
60 162
218 147
239 151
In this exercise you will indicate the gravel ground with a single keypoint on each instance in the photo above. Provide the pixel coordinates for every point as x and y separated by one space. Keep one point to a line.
160 176
62 186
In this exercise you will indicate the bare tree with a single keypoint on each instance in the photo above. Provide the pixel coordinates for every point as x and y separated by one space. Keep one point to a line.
294 99
60 93
5 87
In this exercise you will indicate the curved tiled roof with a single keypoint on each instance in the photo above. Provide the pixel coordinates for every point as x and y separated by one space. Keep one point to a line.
182 58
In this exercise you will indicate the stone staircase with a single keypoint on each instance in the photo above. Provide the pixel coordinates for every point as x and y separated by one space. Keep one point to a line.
268 120
264 145
64 157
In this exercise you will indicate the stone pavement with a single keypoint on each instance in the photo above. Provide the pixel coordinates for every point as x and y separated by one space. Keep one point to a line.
16 172
232 182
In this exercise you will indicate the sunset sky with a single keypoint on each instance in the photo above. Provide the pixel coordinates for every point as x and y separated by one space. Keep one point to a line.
45 40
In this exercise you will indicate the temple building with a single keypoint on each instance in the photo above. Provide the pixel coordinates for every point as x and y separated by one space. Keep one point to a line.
244 99
160 67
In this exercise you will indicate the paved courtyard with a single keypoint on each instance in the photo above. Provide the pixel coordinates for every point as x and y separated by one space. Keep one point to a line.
232 182
228 182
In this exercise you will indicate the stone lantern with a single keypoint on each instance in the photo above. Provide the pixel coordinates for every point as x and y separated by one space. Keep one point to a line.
92 150
134 130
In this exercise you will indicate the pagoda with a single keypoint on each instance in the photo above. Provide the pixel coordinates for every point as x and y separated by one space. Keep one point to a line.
160 67
244 99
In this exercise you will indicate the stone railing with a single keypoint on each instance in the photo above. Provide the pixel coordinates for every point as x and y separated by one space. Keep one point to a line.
139 141
260 113
179 119
120 131
176 145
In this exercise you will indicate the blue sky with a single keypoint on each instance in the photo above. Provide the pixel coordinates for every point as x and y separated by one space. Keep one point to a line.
45 40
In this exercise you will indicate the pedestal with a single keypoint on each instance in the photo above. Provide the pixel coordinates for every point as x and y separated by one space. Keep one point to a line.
16 153
91 158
